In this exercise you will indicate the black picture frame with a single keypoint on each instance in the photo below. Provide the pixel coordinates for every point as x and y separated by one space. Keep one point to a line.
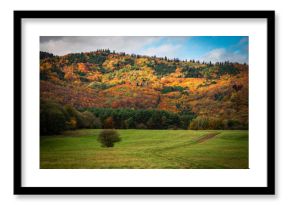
269 189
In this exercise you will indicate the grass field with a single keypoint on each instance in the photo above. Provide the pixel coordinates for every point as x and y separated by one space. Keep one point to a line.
148 149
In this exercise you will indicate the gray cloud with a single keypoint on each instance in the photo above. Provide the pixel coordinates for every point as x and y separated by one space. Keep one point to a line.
61 45
45 39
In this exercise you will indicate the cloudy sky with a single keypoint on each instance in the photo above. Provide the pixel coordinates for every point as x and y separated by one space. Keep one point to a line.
207 48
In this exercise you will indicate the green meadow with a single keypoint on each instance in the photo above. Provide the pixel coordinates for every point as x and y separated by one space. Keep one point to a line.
147 149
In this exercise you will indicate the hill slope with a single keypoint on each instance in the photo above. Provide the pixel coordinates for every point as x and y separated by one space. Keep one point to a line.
105 79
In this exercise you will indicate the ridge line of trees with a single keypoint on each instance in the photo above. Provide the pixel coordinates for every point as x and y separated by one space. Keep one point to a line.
106 52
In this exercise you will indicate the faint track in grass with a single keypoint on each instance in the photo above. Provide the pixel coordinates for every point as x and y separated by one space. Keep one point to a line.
181 161
206 137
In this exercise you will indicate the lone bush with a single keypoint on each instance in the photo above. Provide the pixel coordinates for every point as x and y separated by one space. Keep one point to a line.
108 137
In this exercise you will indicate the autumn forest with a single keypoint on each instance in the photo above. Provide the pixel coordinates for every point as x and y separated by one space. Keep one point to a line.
108 89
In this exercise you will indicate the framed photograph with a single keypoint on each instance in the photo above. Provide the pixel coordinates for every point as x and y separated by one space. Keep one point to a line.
144 102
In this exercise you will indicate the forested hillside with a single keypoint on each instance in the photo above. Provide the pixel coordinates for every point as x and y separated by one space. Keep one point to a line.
133 91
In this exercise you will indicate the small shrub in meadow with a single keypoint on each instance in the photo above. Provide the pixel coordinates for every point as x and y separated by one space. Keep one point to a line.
108 137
